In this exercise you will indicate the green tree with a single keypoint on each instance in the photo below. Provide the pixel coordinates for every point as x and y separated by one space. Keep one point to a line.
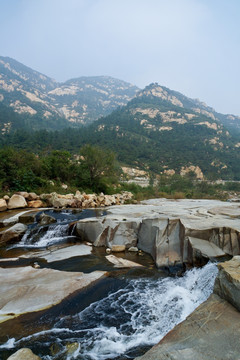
97 168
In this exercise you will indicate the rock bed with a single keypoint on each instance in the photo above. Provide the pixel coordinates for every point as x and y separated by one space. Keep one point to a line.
78 200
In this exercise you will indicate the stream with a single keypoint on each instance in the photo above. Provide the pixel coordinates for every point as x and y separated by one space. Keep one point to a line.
120 317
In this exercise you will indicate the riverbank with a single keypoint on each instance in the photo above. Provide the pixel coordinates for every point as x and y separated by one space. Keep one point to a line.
175 233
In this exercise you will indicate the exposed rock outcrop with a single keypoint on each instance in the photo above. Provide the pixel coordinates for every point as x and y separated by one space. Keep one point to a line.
108 232
22 289
173 232
227 284
24 354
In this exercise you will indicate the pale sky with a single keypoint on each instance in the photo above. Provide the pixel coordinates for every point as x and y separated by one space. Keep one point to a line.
192 46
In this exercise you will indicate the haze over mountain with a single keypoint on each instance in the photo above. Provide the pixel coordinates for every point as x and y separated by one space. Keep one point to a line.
159 130
166 132
41 102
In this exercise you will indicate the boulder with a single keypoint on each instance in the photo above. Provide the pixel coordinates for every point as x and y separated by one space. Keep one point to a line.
35 204
13 233
32 196
16 202
24 354
28 218
118 248
67 196
3 205
45 219
58 202
23 193
227 284
72 348
133 249
6 197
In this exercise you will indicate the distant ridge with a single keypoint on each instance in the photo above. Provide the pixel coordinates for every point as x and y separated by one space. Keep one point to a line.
41 102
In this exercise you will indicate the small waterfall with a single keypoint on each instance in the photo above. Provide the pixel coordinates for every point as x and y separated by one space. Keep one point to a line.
40 237
138 315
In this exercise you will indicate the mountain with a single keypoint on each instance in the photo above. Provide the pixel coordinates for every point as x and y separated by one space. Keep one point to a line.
165 132
40 102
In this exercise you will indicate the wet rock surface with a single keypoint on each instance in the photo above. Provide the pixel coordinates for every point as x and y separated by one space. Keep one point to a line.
27 289
173 232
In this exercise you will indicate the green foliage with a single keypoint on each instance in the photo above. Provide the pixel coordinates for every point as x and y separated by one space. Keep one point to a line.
97 168
24 171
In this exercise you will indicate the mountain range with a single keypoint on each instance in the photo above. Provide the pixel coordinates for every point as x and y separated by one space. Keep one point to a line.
155 129
42 103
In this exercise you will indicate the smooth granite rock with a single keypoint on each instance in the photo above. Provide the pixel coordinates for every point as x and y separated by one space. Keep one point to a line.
24 354
17 201
227 284
12 233
25 290
163 228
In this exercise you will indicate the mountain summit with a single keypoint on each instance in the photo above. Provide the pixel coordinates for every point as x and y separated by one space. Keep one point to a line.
31 99
166 132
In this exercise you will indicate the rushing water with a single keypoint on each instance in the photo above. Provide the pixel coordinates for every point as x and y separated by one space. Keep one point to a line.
38 236
137 315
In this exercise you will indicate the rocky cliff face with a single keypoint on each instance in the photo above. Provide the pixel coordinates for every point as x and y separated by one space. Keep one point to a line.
49 104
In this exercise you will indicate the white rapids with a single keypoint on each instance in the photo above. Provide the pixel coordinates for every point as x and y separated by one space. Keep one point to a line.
138 315
56 233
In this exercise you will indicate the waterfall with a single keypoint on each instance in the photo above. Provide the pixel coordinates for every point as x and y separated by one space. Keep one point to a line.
40 237
138 315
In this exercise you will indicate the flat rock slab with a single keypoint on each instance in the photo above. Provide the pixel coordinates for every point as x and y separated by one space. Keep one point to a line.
60 254
207 249
211 332
122 263
25 290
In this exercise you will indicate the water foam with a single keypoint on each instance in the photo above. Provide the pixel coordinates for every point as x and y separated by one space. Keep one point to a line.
139 314
38 238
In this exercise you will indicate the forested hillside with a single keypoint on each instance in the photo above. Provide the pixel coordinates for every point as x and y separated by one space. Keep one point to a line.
151 133
42 103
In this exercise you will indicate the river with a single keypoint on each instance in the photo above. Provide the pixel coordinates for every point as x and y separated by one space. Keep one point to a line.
120 317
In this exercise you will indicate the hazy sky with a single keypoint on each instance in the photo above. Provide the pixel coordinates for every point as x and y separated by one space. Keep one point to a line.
192 46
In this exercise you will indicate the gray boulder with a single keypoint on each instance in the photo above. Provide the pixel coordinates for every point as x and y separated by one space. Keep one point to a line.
3 205
24 354
16 202
15 232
